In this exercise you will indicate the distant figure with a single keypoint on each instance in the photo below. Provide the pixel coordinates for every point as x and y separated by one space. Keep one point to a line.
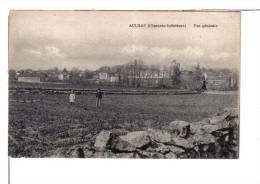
204 86
98 97
72 97
204 83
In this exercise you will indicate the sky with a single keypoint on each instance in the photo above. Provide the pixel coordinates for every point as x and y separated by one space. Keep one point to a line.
91 39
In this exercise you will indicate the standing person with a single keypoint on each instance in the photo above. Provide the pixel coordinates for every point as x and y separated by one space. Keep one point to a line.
72 97
98 97
204 86
204 82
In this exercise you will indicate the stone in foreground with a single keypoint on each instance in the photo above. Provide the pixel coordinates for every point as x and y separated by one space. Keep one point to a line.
159 135
102 140
136 139
182 128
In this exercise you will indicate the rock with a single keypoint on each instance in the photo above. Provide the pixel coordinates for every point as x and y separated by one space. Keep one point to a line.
231 113
99 154
217 147
217 120
109 154
205 128
203 139
234 149
145 154
184 156
125 155
170 155
234 123
215 137
196 126
225 121
161 148
181 142
80 153
220 133
205 147
88 153
102 140
118 132
176 150
119 145
182 128
208 129
104 154
159 135
136 139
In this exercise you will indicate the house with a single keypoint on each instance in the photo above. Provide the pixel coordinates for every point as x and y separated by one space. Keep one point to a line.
32 79
114 79
61 76
64 75
81 75
51 74
190 80
103 76
221 79
30 76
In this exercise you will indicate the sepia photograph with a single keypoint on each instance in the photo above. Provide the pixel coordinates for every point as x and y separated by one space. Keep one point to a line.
124 84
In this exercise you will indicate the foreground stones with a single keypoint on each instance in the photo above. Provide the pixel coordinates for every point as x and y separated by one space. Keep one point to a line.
215 137
102 140
136 139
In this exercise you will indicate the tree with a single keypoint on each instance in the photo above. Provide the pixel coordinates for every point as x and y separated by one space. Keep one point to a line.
198 73
12 74
136 67
153 73
175 73
105 69
75 70
88 74
198 78
118 70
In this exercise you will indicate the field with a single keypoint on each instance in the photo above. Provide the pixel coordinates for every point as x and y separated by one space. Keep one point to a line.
41 123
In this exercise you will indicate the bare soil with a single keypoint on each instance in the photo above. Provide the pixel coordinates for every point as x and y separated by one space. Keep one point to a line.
41 123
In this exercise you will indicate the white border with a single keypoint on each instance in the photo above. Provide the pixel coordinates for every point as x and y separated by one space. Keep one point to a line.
244 170
131 5
3 95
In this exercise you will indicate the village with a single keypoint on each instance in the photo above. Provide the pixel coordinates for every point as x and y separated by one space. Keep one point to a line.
134 74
